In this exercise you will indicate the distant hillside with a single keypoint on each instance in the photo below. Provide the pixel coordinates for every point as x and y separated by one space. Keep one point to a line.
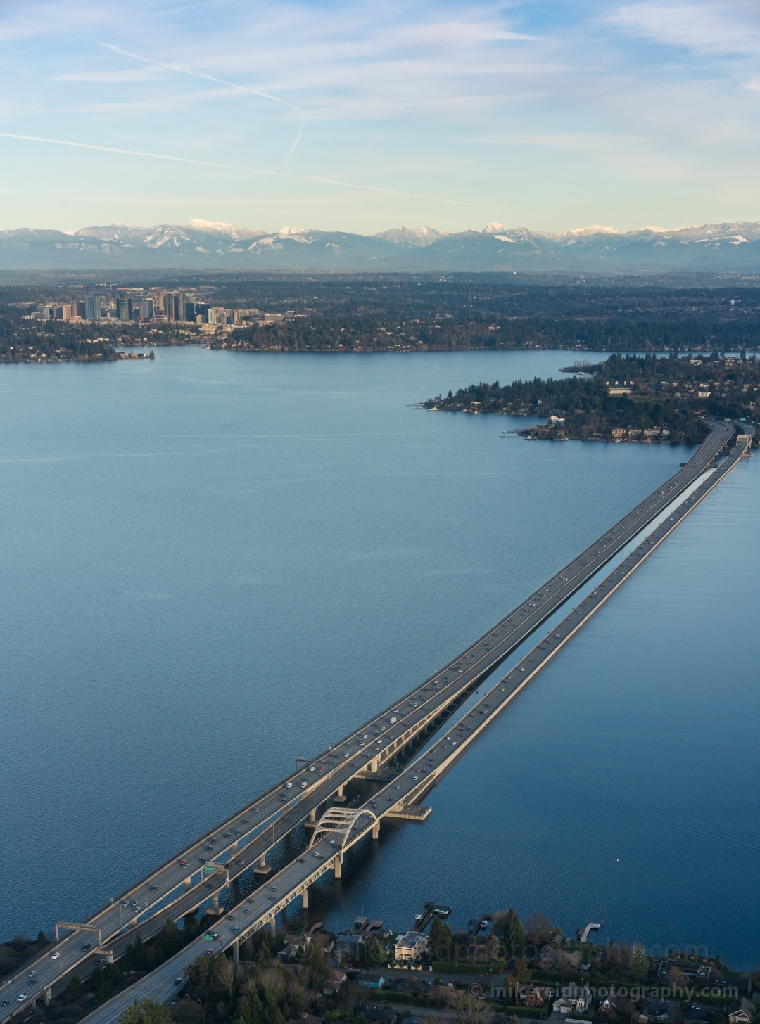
712 248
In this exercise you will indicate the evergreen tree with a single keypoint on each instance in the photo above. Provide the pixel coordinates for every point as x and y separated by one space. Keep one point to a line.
514 936
146 1011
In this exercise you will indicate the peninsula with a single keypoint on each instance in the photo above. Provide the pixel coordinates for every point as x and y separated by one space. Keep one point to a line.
625 398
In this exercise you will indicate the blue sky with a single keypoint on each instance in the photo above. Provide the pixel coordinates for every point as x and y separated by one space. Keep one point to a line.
364 116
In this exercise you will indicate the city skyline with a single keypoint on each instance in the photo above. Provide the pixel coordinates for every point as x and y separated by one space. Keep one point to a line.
361 118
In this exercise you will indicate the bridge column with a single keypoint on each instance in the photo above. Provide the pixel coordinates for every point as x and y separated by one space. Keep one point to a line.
373 764
47 995
305 899
340 796
313 814
273 926
236 951
262 868
234 848
188 884
338 866
376 830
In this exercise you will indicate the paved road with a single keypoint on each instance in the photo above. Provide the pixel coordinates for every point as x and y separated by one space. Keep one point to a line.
181 885
328 849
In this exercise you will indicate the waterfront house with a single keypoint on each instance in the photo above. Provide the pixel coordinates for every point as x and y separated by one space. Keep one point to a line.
742 1012
410 947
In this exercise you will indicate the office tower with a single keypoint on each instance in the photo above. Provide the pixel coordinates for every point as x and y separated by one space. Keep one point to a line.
92 307
124 307
169 306
146 309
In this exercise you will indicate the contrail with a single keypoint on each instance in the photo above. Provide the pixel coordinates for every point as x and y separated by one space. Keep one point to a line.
202 74
292 149
252 170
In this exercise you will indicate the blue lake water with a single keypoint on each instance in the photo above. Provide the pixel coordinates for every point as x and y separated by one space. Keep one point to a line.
213 563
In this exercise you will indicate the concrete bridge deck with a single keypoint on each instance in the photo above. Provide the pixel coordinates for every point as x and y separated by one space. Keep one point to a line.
341 829
182 884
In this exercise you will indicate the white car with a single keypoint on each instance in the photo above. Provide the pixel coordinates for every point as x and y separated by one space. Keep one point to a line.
54 955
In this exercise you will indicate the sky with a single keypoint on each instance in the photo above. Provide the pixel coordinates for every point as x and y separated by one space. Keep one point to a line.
553 114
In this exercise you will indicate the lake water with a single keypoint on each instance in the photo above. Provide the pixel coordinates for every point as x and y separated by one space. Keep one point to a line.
213 563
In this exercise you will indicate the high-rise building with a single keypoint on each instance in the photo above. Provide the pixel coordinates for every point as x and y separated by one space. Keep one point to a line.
181 300
169 306
146 309
92 307
124 307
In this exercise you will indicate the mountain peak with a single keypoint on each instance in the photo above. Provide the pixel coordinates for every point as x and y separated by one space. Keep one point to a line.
202 244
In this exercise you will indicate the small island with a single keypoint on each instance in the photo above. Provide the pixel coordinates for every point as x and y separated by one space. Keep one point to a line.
625 398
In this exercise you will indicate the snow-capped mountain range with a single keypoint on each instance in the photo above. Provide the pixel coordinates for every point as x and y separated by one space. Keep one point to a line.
201 244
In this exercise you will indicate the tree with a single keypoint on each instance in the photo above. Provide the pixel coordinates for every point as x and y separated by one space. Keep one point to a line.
440 939
250 1009
493 947
538 929
639 963
224 974
376 954
520 974
676 978
74 989
514 936
146 1011
468 1009
198 970
273 1012
317 968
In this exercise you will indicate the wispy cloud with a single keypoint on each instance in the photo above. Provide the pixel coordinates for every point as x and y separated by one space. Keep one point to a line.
579 104
169 158
716 28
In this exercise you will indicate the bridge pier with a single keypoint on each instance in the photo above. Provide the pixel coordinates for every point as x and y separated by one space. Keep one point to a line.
305 899
188 884
235 848
340 796
262 868
313 814
376 830
338 866
214 910
236 951
373 764
272 926
47 994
